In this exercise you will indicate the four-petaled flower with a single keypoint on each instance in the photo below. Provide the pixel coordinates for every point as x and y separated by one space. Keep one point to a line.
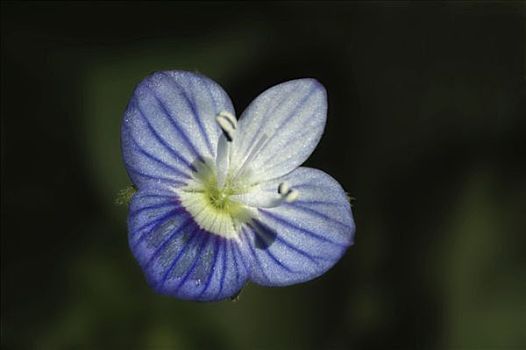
221 201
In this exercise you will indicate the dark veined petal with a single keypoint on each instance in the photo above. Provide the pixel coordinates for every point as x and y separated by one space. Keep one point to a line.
280 128
179 258
299 241
169 123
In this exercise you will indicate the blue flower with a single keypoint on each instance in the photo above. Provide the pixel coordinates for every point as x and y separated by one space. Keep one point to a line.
221 201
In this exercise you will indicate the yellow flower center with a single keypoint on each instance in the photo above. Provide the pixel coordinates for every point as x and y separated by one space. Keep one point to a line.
211 205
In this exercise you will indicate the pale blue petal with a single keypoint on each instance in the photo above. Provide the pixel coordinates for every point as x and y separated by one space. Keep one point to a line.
280 128
179 258
299 241
169 124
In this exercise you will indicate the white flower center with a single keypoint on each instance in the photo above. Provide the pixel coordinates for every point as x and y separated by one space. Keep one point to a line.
221 201
212 205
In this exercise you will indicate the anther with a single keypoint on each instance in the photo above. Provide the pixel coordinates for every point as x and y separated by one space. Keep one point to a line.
228 124
287 194
283 188
291 196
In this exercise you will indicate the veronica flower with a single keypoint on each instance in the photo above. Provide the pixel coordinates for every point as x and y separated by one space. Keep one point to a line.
221 201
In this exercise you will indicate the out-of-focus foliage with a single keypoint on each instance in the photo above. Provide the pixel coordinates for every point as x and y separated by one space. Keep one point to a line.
425 130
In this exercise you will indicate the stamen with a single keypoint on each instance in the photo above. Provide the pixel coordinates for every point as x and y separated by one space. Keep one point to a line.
287 193
264 199
228 124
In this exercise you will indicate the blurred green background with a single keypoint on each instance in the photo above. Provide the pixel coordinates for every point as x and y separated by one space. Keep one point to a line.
426 129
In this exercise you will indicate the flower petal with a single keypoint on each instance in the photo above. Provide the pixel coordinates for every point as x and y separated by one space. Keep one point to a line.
169 124
280 128
179 258
299 241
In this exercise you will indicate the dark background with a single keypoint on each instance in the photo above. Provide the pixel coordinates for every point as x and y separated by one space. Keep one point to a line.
426 130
